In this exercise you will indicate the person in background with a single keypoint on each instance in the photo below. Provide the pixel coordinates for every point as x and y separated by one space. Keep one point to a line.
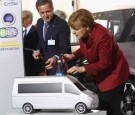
54 34
61 14
30 40
107 64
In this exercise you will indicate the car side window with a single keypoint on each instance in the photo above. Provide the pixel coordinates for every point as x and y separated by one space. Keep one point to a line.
70 89
40 88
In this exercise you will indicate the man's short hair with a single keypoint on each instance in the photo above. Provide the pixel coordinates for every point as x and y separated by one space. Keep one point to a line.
43 2
29 14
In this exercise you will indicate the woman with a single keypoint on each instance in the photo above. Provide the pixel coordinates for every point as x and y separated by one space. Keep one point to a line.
107 63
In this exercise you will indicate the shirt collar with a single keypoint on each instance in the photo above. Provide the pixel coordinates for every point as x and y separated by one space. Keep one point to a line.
28 28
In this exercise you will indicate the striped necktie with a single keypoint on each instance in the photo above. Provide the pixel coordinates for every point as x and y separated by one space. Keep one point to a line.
45 29
25 33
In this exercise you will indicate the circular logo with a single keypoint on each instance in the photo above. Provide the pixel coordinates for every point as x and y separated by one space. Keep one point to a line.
8 18
3 32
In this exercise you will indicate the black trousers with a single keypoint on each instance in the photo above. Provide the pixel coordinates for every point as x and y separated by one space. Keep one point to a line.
110 100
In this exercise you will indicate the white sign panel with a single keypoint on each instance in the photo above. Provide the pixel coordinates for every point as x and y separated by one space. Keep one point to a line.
11 52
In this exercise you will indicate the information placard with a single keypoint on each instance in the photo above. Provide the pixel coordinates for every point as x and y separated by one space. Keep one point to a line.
11 53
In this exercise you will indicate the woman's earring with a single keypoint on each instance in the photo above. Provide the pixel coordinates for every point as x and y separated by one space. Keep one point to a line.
87 28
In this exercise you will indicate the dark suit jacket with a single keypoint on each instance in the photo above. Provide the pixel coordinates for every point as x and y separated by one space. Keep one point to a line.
32 66
107 63
59 31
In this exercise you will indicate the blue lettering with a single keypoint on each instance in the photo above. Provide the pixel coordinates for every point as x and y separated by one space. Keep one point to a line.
10 3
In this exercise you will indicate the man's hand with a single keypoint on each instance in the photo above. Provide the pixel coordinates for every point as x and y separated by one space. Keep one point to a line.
51 62
36 54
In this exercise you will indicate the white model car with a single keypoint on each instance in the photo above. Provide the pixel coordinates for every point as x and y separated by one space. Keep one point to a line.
51 92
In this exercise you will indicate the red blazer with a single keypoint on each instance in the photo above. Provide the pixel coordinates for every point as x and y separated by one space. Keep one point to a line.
107 63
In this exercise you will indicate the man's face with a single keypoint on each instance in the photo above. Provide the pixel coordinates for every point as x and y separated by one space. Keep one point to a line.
46 12
25 20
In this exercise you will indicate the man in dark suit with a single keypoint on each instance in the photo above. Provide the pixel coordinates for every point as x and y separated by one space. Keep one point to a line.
55 37
30 40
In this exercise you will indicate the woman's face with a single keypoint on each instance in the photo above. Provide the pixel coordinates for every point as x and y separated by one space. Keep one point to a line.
81 32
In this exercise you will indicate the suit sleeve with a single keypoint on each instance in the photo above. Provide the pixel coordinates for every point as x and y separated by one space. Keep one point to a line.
78 54
39 41
64 39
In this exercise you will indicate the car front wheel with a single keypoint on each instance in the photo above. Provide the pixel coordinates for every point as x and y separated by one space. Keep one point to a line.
81 108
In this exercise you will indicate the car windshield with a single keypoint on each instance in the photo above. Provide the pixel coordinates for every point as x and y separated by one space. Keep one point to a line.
80 86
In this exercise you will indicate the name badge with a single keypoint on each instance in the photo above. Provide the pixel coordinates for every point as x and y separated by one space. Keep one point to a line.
51 42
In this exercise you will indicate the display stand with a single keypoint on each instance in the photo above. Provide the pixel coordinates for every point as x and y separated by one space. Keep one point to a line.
56 112
11 50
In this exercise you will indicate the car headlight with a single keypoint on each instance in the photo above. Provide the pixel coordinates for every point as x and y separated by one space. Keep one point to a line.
89 98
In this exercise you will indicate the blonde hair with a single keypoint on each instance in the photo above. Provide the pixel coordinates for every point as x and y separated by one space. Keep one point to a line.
81 18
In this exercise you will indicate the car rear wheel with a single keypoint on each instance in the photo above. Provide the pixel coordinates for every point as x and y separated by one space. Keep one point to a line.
81 108
28 108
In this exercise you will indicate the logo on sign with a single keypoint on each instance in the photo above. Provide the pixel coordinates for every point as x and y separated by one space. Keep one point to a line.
10 3
8 18
8 32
